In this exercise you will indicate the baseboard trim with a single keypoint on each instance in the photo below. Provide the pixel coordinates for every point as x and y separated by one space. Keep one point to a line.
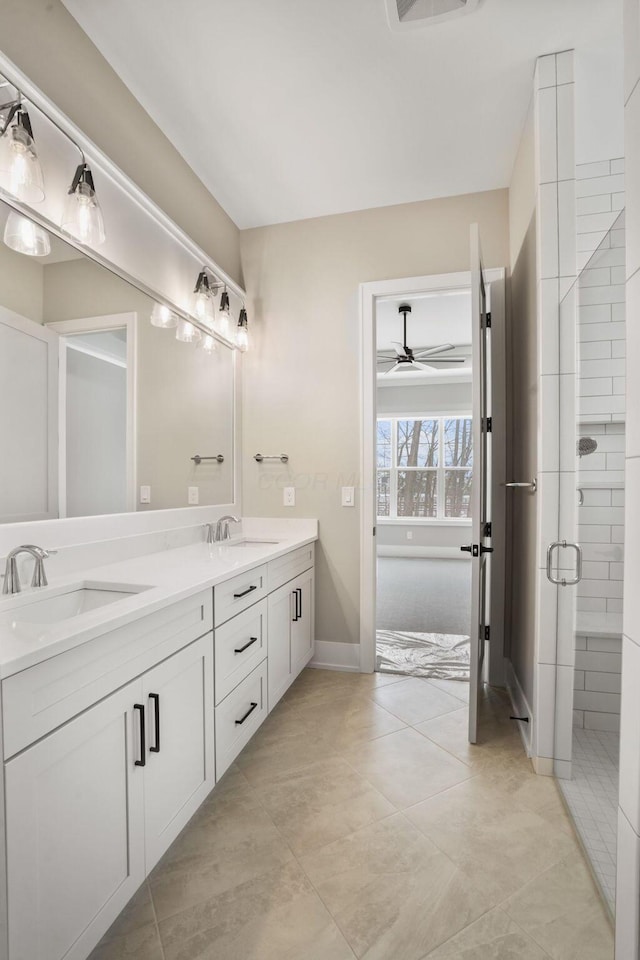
521 708
432 553
330 655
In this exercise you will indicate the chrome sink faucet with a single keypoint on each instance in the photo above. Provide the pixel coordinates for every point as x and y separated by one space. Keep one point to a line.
220 531
11 576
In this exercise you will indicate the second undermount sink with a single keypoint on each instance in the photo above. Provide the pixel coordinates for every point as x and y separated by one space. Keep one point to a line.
246 542
33 614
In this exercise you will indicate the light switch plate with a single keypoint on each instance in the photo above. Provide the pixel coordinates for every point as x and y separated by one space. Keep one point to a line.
145 494
193 496
348 496
289 496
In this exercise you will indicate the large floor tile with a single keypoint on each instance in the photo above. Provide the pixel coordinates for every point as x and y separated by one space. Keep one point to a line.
229 841
140 944
277 916
493 937
322 686
496 750
406 767
409 701
501 844
137 913
457 688
562 911
320 803
351 720
392 893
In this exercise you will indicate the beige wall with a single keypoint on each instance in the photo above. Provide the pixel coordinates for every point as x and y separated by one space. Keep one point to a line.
301 393
47 44
21 283
522 389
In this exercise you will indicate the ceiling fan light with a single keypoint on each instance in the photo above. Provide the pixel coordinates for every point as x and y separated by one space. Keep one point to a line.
82 217
20 170
25 236
163 317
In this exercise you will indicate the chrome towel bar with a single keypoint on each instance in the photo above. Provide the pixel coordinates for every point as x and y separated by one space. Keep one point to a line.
198 459
259 457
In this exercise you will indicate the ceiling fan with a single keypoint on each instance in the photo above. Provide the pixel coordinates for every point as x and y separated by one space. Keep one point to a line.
406 359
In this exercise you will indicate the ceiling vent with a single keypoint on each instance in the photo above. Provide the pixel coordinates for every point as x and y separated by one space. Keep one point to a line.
405 14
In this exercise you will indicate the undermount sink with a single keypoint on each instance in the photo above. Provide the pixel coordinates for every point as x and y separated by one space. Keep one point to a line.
33 615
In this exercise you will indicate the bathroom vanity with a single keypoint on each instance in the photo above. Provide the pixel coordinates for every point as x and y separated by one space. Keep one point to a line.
126 694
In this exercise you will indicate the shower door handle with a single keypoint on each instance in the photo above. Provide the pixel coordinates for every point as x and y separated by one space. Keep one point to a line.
529 484
562 581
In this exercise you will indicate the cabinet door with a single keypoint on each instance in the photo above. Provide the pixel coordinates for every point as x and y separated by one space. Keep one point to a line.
178 699
75 832
279 622
302 622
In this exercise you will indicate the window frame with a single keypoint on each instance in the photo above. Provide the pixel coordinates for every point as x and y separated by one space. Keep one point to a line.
440 519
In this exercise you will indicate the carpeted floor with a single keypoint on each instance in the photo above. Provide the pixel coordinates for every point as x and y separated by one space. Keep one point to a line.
424 596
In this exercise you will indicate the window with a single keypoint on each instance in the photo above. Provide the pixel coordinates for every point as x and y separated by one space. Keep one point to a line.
424 468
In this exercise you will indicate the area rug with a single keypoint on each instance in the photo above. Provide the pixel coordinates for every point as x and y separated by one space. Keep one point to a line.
443 656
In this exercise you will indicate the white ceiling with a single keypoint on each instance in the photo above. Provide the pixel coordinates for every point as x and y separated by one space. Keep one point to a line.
434 319
288 109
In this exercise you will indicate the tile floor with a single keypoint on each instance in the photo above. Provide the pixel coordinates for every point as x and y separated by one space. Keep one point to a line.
360 823
592 798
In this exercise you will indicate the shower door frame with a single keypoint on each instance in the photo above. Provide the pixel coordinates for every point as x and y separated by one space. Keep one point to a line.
412 286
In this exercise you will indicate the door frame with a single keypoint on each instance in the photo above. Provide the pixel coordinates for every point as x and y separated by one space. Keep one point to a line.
369 292
111 321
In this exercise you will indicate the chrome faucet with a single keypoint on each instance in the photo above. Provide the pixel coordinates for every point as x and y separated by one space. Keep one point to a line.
12 578
222 527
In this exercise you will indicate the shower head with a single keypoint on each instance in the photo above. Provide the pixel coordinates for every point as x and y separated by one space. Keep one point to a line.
585 446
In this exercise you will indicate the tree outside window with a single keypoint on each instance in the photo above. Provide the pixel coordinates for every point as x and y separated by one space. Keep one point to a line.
424 467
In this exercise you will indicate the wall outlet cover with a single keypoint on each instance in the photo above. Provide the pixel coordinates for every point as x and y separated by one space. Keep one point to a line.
348 496
145 494
289 496
193 496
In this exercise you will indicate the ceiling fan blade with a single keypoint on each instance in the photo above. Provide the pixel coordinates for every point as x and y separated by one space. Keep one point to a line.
395 367
444 348
399 348
443 359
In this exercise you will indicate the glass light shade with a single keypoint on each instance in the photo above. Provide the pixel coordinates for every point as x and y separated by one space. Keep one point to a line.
161 316
223 324
203 306
20 170
208 344
83 217
242 338
25 236
186 332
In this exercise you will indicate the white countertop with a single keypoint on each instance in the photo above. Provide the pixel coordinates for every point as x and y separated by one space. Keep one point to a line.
171 575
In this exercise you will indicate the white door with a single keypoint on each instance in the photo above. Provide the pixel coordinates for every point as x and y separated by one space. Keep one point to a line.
280 617
75 836
179 767
480 547
302 622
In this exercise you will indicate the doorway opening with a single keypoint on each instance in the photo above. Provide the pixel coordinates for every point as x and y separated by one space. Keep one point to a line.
426 589
424 459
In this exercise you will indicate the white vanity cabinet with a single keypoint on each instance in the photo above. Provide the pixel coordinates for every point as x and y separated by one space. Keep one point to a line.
291 614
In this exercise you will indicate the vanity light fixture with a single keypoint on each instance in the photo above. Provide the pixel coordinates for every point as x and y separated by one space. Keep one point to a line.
224 314
162 317
186 332
82 214
25 236
20 170
203 306
242 333
208 344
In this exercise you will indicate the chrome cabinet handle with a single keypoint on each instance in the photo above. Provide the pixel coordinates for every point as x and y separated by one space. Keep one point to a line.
562 581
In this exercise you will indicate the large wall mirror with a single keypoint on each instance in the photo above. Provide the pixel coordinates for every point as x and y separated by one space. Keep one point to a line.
101 412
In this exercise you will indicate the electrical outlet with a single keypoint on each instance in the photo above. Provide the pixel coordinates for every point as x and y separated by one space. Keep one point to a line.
409 534
348 496
289 496
145 494
193 496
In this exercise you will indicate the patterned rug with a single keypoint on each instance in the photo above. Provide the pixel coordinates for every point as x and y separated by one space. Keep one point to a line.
443 656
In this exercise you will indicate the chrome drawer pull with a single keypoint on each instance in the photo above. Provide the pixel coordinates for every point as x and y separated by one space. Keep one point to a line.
248 713
246 646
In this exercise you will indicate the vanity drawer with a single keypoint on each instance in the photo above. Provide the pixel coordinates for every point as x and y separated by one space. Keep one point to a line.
290 565
41 698
240 645
240 592
239 716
